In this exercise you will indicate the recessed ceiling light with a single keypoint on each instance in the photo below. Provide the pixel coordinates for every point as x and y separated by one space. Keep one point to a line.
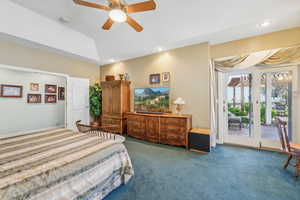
112 60
265 24
159 49
64 19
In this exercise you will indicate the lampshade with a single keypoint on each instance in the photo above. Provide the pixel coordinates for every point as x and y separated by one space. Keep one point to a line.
179 101
118 15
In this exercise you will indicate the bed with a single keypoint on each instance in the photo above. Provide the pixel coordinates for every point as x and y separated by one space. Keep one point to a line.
62 165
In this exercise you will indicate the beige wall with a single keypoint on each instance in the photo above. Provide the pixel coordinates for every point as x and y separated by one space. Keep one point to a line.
274 40
19 116
17 55
189 68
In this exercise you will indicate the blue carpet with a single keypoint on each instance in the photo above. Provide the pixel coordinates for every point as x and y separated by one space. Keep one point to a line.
229 173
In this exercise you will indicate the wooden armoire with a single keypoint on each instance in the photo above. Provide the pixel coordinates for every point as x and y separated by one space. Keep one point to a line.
115 103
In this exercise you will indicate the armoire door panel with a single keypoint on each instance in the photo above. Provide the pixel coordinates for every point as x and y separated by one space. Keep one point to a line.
116 100
106 99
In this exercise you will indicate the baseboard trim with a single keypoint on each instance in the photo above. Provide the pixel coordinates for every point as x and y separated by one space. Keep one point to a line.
256 148
20 133
198 151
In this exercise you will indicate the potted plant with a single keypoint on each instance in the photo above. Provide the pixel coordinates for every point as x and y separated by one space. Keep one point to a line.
96 103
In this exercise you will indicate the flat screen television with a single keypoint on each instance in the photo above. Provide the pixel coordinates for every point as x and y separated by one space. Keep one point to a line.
152 100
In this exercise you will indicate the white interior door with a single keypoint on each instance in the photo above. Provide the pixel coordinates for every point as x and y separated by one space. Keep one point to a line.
78 102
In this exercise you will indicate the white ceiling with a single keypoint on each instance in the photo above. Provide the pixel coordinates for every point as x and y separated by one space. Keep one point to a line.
173 24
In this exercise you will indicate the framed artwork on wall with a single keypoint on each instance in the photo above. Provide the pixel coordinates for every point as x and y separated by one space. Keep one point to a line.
11 91
166 76
50 88
34 87
61 93
50 98
154 78
34 98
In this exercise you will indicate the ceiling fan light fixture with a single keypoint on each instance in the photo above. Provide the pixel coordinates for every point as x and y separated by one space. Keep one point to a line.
118 10
118 15
266 23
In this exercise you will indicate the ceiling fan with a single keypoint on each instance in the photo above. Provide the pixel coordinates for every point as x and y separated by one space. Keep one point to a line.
118 11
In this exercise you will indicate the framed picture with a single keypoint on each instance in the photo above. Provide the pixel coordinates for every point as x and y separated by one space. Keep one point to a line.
50 98
12 91
166 76
34 87
50 88
61 93
154 78
34 98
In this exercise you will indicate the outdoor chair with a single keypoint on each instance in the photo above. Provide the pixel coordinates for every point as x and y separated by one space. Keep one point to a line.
234 122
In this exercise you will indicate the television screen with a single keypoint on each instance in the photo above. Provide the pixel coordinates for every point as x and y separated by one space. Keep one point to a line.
151 100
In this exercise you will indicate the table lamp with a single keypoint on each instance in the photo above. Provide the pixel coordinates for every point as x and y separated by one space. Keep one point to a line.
179 102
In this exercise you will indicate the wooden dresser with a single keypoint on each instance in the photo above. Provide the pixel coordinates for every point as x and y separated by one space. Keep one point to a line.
115 103
168 129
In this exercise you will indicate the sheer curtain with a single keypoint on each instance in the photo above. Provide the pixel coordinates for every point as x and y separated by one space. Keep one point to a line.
213 104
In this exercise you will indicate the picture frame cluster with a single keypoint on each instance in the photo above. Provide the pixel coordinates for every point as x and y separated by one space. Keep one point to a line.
158 78
52 93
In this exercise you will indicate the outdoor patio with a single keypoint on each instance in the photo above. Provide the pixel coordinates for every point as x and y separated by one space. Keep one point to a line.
267 132
275 90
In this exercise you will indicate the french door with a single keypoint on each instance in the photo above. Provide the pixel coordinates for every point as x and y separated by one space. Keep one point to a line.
250 103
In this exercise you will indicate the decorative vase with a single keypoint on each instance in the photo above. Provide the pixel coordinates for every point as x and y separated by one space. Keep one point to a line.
126 76
121 77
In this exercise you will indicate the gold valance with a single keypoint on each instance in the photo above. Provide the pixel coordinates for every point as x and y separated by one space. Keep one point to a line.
269 57
230 62
284 56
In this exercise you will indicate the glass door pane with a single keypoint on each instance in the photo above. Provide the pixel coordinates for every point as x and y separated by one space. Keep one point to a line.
239 105
276 102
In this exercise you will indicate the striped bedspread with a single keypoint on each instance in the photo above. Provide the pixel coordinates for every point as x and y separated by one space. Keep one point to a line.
62 165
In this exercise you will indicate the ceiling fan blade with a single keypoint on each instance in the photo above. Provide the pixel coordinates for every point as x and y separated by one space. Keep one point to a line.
141 7
134 24
108 24
92 5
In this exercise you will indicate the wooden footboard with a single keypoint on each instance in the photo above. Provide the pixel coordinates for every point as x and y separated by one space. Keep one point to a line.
107 131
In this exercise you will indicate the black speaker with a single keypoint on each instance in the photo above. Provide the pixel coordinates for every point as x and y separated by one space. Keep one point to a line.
199 140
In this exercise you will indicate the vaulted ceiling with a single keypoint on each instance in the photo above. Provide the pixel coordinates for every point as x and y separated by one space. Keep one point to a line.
173 24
